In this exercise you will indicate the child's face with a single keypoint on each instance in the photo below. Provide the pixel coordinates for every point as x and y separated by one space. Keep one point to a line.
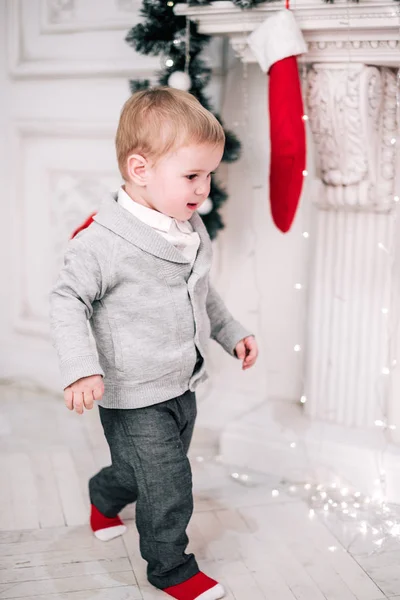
180 182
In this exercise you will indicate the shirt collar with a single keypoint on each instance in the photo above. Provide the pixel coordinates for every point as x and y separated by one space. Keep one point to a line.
149 216
114 217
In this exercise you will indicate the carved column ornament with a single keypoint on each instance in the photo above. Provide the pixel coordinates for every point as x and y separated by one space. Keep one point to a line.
352 110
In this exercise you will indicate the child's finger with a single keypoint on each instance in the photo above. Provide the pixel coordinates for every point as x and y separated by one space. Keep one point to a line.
251 354
247 365
88 399
249 360
251 346
68 398
241 350
78 402
98 393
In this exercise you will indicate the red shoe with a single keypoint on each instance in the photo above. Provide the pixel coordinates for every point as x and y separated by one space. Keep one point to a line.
104 528
199 587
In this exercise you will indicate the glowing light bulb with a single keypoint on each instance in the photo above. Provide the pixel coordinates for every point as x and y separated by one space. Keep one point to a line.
363 527
395 530
382 247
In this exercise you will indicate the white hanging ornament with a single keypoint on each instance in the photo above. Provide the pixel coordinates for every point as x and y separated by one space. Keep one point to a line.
167 61
180 80
206 207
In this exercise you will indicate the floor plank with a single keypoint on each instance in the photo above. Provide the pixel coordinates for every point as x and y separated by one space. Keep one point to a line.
24 493
120 593
70 584
75 509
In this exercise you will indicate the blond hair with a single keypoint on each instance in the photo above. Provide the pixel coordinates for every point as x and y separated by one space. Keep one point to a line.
156 121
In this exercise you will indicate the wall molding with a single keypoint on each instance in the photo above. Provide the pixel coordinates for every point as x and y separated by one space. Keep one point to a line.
31 45
58 17
72 204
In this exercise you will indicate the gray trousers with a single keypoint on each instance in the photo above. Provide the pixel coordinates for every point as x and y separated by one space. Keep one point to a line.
150 467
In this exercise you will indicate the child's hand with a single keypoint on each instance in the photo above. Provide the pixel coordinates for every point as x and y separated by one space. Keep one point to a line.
247 351
83 392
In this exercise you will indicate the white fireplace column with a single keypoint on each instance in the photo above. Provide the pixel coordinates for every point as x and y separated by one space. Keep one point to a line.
352 113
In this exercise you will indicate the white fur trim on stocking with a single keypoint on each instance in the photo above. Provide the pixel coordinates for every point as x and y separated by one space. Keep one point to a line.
109 533
214 593
278 37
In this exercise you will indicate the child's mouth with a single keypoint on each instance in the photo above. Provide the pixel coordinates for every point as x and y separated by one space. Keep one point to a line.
192 205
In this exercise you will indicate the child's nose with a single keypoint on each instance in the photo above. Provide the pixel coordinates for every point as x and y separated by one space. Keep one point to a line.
202 189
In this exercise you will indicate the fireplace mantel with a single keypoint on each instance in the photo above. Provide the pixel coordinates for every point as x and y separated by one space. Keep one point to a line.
365 32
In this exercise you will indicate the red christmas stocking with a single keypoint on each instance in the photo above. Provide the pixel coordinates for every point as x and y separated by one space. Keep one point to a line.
276 43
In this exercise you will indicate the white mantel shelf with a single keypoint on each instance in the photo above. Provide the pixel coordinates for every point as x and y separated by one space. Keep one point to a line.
365 32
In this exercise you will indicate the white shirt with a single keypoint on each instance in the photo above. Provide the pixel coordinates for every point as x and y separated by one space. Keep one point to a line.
178 233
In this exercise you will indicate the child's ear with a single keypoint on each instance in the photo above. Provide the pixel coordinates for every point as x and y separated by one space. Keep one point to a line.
137 167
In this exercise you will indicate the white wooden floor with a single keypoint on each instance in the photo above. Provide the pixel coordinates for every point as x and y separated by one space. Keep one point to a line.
258 545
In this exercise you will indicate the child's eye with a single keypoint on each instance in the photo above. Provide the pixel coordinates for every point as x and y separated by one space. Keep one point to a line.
191 177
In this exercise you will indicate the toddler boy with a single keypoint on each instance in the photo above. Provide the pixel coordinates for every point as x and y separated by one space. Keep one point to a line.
140 274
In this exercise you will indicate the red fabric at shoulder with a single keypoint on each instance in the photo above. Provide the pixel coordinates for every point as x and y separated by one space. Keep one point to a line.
85 224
